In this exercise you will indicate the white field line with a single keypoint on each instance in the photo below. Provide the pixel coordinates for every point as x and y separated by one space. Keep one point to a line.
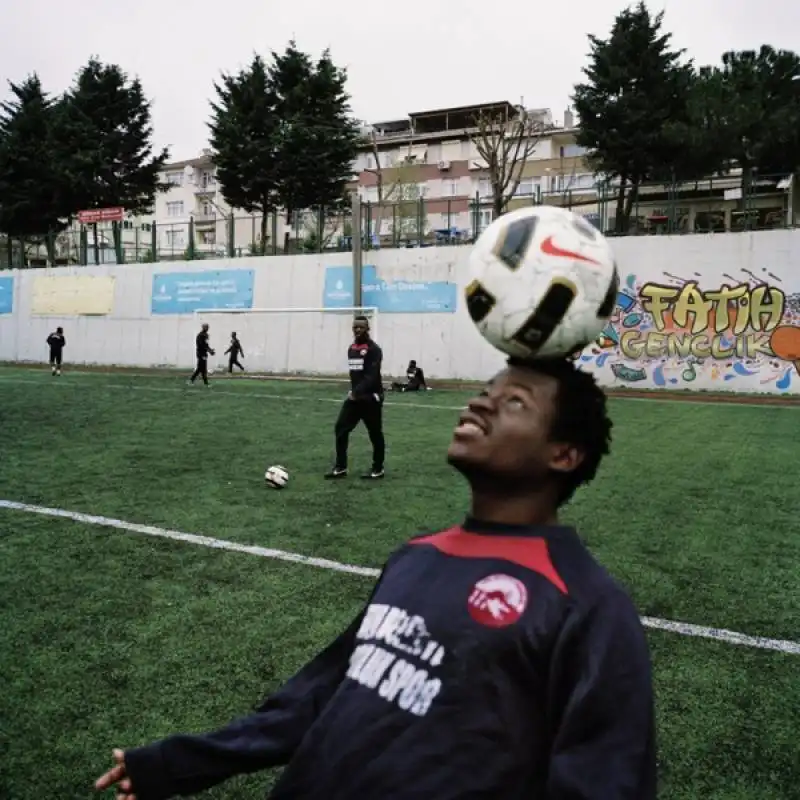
682 628
306 399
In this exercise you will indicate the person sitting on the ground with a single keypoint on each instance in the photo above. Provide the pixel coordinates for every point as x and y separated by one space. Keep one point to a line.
415 379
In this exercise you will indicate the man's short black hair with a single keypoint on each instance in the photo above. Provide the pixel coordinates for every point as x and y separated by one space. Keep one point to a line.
361 318
581 418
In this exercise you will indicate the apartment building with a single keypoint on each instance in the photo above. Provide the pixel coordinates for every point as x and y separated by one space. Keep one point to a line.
194 193
428 156
433 155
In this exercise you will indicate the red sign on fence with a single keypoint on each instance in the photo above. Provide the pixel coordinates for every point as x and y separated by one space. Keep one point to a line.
92 215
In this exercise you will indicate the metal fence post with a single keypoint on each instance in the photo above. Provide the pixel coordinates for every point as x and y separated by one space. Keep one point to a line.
358 262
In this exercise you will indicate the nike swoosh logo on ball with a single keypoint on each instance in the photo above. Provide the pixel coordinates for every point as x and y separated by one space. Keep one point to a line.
549 248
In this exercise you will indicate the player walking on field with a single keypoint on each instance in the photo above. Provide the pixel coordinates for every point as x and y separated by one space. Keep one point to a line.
233 352
496 659
364 402
202 351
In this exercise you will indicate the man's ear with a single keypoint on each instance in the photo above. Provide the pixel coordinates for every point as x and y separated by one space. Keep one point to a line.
565 458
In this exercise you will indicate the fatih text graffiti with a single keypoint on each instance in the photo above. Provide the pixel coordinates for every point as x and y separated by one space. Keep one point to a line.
674 332
731 321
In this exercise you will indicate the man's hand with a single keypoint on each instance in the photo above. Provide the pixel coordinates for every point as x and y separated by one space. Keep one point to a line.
117 775
350 396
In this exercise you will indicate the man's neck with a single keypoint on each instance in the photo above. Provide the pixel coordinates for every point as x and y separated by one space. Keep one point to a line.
530 508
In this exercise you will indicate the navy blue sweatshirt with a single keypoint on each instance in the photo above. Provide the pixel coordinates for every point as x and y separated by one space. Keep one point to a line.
489 662
56 342
364 361
202 347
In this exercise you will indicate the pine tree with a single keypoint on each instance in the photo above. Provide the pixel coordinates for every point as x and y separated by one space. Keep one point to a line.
319 138
107 118
32 164
282 135
244 137
636 86
758 103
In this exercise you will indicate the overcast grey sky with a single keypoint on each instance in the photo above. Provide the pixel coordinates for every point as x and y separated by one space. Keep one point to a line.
401 57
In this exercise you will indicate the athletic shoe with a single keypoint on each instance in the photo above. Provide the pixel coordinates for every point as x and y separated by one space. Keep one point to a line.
374 475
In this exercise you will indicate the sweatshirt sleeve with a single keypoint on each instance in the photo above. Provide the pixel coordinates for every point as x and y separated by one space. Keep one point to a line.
602 696
370 381
187 764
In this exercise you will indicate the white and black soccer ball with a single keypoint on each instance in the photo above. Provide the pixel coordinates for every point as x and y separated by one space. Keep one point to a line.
276 477
542 283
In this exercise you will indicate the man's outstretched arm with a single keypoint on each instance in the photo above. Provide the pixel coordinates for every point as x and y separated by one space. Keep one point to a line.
186 764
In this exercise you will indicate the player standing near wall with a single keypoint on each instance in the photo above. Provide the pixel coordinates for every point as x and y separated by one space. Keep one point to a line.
57 343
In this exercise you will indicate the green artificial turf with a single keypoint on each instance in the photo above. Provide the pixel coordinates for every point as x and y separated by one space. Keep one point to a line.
110 638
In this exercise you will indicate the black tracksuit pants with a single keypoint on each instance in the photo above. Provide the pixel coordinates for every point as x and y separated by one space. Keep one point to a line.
201 370
370 412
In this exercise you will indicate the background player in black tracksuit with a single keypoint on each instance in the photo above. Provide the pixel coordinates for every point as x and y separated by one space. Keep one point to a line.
233 353
364 402
202 351
415 379
496 660
56 342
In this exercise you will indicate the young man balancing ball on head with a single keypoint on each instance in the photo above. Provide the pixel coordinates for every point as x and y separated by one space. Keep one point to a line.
493 660
364 402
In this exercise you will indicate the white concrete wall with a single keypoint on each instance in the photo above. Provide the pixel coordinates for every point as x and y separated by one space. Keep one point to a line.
637 354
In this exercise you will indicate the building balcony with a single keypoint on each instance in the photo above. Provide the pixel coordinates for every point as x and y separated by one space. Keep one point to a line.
204 217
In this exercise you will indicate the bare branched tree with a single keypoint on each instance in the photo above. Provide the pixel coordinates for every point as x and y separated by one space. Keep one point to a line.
505 141
391 186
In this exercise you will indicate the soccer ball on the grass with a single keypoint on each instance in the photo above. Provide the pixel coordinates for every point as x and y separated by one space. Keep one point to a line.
542 283
276 477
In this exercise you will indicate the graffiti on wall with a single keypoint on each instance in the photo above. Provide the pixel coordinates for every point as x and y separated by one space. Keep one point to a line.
741 334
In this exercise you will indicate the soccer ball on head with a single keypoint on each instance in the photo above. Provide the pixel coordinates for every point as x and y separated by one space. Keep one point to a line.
542 283
276 477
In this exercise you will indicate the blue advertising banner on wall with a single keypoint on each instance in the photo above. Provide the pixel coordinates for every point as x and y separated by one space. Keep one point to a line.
6 295
393 297
187 292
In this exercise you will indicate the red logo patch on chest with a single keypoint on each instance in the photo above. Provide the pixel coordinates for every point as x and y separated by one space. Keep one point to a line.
497 601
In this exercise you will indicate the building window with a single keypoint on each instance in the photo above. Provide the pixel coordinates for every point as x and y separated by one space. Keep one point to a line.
174 178
174 239
175 209
208 237
485 187
207 179
449 220
573 151
525 188
450 187
583 181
